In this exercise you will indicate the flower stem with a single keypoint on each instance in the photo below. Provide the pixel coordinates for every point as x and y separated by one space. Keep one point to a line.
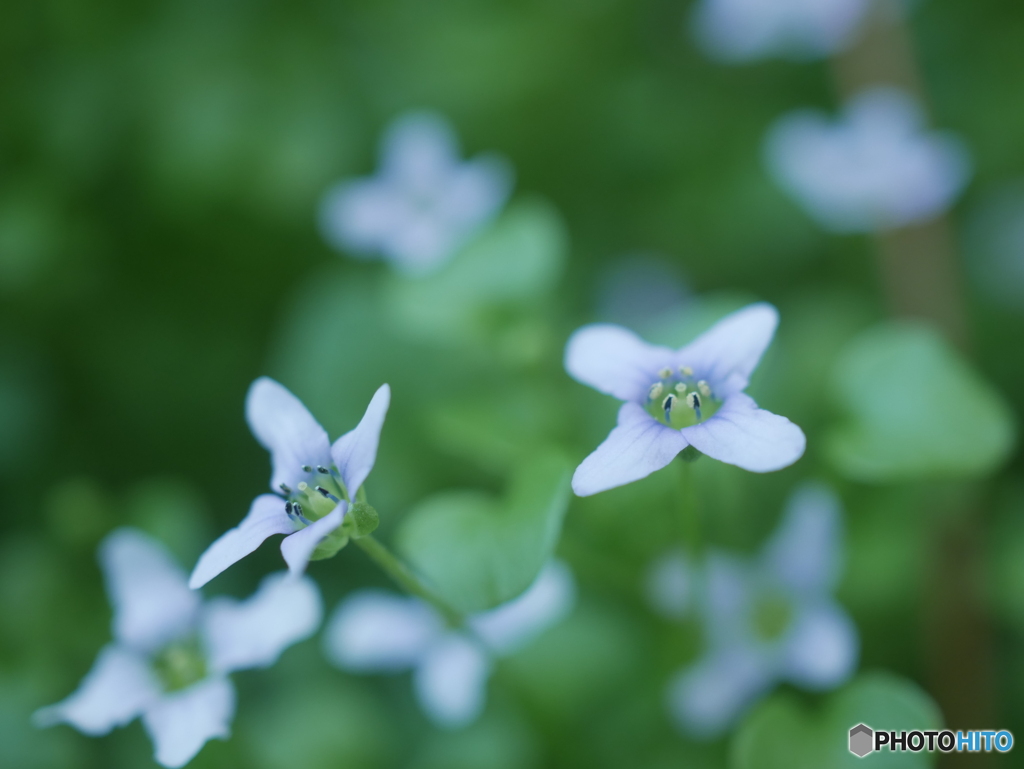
406 578
689 513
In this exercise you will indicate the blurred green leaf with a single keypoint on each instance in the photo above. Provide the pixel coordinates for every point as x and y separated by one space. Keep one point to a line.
914 408
782 734
479 551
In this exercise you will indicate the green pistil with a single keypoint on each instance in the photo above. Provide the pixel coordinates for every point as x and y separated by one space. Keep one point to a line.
772 616
678 400
180 665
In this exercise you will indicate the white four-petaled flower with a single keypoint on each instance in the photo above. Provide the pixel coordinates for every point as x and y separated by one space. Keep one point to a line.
424 202
692 396
744 30
171 653
767 620
378 631
875 168
314 482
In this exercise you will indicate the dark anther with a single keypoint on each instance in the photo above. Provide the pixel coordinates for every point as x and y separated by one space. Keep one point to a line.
323 491
321 469
696 402
288 508
297 509
285 489
307 469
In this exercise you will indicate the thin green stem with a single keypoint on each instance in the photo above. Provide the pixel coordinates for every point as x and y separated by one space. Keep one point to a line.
689 514
406 578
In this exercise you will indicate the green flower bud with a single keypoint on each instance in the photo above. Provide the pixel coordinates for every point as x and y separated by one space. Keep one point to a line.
360 520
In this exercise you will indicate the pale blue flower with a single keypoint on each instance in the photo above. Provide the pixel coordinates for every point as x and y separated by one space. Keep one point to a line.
313 481
172 654
378 631
692 396
877 167
767 620
744 30
423 204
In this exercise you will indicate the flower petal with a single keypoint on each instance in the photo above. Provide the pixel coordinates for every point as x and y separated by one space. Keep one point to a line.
637 447
116 690
298 548
727 353
615 361
511 626
180 723
148 590
822 649
669 586
707 698
355 452
805 552
253 633
373 630
451 681
286 429
419 151
266 517
744 435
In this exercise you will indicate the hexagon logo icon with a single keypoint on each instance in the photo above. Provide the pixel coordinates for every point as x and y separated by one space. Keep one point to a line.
862 740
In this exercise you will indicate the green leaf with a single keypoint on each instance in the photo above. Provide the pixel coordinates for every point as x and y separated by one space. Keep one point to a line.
781 733
483 290
914 408
479 551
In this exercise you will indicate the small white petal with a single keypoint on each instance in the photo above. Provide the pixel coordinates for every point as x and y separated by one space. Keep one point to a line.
511 626
451 681
728 584
822 649
298 547
356 216
805 552
707 698
419 151
180 723
266 517
287 430
727 354
115 691
615 361
148 590
638 446
355 452
253 633
744 435
670 584
373 630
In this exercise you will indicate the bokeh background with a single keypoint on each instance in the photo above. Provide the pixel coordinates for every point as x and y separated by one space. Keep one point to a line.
161 167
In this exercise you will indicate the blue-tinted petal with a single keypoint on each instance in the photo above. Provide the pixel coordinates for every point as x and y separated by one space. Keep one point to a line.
298 548
822 648
669 586
615 361
180 723
744 435
451 681
637 447
355 452
805 552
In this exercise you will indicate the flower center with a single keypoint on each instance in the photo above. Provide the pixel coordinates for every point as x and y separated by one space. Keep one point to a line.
680 400
771 616
311 501
180 664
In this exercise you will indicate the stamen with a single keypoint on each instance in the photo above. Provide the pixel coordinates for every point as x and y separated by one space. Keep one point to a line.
681 388
656 390
665 373
322 470
686 371
705 388
297 510
328 495
285 489
667 404
307 469
288 509
693 401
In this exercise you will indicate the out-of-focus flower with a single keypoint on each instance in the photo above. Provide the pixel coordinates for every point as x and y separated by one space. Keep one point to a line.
639 289
171 653
767 620
424 202
378 631
314 482
692 396
875 168
743 30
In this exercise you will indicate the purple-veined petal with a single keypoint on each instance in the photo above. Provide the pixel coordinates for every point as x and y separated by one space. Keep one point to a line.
707 698
451 681
805 552
615 361
180 723
355 452
266 517
298 548
115 691
374 630
511 626
254 632
147 589
287 430
822 648
638 446
727 353
744 435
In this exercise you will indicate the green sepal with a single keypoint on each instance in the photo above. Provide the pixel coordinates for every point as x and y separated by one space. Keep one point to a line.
361 519
331 544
